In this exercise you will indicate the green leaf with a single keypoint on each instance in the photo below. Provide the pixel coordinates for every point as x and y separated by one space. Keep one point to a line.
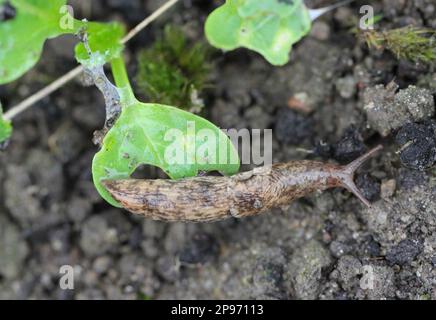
5 128
269 27
104 40
22 37
145 133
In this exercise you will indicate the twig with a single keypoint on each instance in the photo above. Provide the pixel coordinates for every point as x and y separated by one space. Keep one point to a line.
148 20
28 102
42 93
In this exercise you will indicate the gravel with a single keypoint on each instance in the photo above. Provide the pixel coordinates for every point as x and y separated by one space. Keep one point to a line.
404 252
13 248
418 145
388 110
324 246
304 270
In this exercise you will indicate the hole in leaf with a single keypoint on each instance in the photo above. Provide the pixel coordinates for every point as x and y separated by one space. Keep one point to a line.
146 171
7 11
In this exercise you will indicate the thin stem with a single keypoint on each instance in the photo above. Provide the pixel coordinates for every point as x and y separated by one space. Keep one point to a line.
120 74
122 79
28 102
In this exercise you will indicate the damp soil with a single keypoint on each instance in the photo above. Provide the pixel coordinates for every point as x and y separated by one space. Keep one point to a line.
332 102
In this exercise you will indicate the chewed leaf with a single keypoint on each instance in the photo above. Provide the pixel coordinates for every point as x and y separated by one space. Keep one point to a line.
178 142
281 8
5 128
104 41
22 37
269 27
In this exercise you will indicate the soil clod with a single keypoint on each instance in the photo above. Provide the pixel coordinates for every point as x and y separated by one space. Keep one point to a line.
417 145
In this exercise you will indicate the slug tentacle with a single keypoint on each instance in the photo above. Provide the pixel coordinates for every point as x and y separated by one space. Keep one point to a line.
350 169
210 198
356 164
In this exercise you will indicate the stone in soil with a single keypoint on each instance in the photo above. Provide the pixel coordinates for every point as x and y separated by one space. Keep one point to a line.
13 248
409 178
346 87
267 275
380 282
35 188
348 268
304 270
388 110
349 147
405 252
418 145
104 233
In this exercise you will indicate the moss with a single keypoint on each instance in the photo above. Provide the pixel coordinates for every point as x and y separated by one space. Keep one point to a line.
174 71
410 43
143 296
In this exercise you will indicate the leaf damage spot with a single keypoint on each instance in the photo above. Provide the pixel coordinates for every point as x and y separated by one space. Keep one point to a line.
7 11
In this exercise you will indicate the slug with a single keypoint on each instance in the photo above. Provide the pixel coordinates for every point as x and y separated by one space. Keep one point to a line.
211 198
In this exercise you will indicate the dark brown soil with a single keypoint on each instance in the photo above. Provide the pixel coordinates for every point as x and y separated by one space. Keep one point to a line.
320 247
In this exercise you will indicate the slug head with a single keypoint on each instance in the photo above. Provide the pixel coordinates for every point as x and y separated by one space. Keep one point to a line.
345 174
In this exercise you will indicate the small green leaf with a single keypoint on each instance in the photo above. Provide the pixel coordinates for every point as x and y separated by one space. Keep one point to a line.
147 133
5 128
372 21
269 27
104 41
22 37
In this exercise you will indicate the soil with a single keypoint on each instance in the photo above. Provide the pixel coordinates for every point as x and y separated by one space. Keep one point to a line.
332 102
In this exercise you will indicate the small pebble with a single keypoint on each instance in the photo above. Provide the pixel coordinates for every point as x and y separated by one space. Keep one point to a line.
387 188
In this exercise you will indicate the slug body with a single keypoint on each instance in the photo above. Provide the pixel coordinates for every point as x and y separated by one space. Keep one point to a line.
210 198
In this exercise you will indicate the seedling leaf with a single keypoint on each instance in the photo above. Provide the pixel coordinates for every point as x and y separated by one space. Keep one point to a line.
147 133
22 37
269 27
178 142
104 40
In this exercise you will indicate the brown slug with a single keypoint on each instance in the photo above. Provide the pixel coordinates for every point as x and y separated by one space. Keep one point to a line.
211 198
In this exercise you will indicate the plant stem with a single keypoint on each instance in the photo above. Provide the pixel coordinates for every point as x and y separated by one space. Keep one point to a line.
122 79
28 102
119 72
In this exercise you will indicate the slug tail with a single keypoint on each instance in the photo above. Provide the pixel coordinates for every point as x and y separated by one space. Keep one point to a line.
349 170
